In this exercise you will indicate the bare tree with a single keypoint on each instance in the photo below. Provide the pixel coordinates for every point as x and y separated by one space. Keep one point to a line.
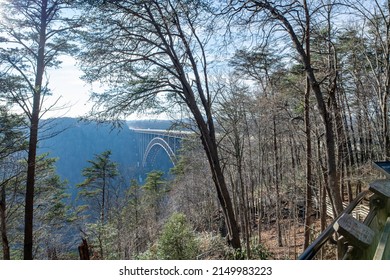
375 19
150 51
231 118
294 18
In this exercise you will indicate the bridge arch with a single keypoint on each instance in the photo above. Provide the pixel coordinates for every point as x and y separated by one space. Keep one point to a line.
158 141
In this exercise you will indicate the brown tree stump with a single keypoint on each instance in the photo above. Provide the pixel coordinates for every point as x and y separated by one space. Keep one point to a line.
83 250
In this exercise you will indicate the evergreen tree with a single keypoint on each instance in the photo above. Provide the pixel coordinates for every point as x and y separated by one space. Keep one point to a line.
97 190
98 183
154 193
33 34
53 215
177 240
12 141
133 215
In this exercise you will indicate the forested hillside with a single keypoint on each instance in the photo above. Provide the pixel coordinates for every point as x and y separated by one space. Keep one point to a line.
74 142
288 102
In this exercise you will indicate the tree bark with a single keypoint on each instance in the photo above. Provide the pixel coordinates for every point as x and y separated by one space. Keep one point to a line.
208 137
84 250
210 147
3 226
309 177
276 181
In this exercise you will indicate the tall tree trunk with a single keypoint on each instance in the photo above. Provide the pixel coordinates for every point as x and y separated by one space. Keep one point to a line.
102 212
276 182
260 161
210 145
385 126
309 177
208 137
244 203
3 225
386 91
33 140
333 181
322 182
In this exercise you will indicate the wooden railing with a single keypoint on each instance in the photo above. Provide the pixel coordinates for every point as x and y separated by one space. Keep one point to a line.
364 232
317 244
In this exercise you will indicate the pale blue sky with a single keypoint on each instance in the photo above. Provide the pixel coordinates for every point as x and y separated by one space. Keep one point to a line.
67 85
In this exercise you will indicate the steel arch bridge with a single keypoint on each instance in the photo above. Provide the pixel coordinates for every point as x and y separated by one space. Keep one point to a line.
159 142
151 141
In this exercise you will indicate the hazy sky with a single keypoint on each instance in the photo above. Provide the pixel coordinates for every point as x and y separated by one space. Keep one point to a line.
70 92
66 84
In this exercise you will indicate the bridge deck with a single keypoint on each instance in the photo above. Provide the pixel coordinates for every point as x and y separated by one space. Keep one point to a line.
162 132
151 141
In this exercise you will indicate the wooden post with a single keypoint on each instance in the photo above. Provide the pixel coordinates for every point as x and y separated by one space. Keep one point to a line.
355 232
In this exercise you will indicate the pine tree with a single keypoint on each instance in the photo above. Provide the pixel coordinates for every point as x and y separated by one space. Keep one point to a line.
98 182
33 34
12 141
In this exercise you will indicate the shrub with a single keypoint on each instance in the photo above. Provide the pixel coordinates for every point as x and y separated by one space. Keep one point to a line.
177 240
